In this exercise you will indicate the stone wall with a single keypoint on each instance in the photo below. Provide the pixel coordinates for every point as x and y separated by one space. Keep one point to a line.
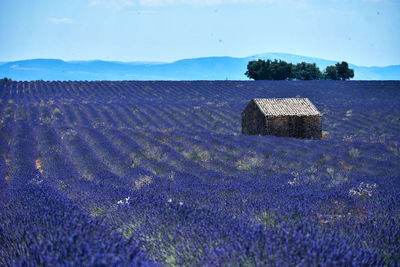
253 120
295 126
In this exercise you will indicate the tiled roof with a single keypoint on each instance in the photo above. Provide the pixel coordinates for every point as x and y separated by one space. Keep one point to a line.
273 107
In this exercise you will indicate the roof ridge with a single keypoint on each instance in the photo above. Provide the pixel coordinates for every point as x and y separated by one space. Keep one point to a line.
286 107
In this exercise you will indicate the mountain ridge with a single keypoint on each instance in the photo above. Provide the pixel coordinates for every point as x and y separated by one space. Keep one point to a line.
203 68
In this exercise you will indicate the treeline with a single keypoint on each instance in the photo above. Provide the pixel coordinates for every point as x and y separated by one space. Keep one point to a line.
281 70
5 79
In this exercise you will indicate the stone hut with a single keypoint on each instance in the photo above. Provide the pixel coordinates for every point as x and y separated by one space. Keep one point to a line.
292 117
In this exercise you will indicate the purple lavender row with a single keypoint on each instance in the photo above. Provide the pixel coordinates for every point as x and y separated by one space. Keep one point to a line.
39 226
152 231
137 155
221 89
350 125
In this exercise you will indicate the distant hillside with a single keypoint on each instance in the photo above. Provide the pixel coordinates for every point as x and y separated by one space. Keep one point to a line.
208 68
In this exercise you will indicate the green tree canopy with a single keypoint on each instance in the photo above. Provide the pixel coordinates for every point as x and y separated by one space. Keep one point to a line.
258 70
307 71
339 71
269 70
281 70
330 73
5 79
343 71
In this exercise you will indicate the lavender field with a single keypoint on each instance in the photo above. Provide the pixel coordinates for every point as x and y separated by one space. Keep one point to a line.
158 173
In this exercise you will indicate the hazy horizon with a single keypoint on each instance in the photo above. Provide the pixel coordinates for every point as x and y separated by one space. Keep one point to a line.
148 61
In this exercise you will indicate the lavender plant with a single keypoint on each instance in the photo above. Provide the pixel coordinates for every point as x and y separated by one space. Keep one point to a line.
147 173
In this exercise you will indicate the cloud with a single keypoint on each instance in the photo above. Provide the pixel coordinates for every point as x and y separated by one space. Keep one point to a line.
122 3
119 4
18 67
60 20
95 3
156 2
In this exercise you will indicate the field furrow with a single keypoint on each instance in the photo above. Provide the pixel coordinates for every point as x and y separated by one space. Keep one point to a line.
117 173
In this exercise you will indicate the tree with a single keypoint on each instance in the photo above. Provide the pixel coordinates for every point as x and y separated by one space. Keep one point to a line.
269 70
281 70
331 73
257 70
5 79
343 71
339 71
307 71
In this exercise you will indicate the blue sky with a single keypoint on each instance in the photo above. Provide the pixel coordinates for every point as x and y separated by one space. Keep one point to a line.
363 32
